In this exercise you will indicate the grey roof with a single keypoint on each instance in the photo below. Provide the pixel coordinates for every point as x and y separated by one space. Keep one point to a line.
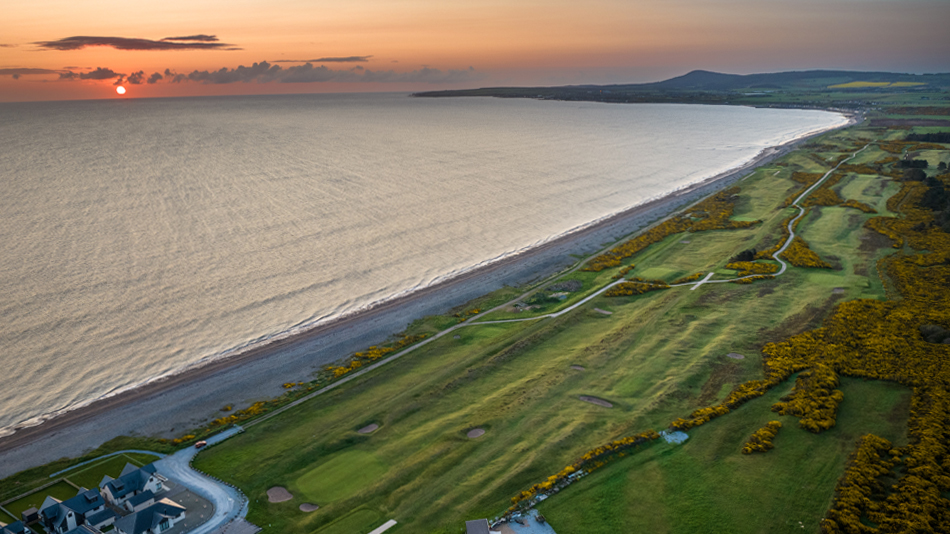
85 529
17 527
100 518
84 502
149 518
105 479
145 496
130 481
129 468
476 526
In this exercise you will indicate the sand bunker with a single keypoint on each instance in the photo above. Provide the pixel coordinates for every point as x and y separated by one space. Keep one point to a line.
368 428
605 312
595 400
837 290
578 368
278 494
735 356
684 242
475 433
307 507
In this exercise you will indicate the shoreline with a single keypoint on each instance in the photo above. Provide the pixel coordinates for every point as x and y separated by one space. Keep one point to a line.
183 400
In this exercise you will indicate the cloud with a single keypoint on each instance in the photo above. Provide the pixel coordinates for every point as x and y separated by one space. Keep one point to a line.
154 78
346 59
16 73
100 74
200 37
124 43
136 78
265 72
4 45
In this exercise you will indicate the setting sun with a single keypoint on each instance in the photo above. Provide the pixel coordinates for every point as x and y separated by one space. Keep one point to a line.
120 90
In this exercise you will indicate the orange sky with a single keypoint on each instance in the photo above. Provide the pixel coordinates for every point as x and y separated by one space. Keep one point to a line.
407 45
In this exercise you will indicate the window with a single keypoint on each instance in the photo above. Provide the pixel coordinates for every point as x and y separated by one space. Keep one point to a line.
163 526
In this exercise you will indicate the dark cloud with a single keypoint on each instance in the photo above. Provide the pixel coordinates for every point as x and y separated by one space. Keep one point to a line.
16 73
266 72
123 43
3 45
201 37
68 75
154 78
346 59
136 78
100 74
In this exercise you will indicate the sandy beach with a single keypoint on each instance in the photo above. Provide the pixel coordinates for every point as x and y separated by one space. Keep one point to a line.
169 407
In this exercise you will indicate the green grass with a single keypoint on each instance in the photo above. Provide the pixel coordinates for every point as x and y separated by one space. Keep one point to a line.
341 476
359 521
707 485
90 476
4 518
657 357
60 490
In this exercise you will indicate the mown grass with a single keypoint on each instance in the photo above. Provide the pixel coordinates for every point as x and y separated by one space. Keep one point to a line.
90 476
657 357
61 490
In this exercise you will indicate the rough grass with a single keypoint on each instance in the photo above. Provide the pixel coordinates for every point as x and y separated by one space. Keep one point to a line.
359 521
707 485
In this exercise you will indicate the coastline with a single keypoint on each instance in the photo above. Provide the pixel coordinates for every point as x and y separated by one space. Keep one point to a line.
175 403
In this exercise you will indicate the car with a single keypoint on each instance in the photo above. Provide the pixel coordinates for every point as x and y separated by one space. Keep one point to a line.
200 444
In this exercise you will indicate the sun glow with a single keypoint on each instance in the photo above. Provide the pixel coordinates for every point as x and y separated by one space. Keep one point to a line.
120 90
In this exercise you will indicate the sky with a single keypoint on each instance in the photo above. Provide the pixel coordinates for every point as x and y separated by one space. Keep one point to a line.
64 49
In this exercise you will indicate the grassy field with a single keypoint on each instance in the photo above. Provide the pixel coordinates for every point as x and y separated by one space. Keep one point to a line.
61 490
657 357
89 476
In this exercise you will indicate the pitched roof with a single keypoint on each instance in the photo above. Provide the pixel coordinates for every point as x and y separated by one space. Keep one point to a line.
101 517
476 526
84 502
17 527
149 518
130 481
85 529
145 496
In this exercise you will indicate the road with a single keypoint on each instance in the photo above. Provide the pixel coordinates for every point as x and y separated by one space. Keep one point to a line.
229 503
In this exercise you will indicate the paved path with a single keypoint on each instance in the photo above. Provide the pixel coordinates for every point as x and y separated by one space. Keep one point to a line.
229 503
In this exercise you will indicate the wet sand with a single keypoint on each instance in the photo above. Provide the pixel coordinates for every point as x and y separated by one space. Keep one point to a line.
169 407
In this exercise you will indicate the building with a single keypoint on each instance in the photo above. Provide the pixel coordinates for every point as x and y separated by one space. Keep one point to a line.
133 481
17 527
154 519
61 517
478 526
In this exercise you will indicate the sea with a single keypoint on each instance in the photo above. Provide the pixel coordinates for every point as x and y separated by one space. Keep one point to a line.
140 238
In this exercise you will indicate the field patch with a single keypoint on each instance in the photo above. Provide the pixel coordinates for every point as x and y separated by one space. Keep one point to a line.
60 490
360 521
342 476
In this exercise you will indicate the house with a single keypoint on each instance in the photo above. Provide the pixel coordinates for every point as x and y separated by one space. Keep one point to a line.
157 518
130 483
140 502
85 529
61 517
17 527
478 526
101 519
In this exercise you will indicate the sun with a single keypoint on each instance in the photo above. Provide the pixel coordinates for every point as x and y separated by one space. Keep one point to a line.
120 90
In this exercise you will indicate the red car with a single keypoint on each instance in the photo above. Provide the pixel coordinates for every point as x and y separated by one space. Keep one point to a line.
200 444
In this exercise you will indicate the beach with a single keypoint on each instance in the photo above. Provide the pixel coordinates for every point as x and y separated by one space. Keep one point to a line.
172 405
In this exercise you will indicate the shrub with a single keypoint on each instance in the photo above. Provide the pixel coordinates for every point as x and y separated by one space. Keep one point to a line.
761 439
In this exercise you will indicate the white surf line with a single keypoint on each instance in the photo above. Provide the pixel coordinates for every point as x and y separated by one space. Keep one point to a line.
384 527
701 282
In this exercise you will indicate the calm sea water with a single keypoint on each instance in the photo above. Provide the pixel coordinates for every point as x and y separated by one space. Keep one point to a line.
141 237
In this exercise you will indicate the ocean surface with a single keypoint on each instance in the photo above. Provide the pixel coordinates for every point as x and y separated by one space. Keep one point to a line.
141 237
